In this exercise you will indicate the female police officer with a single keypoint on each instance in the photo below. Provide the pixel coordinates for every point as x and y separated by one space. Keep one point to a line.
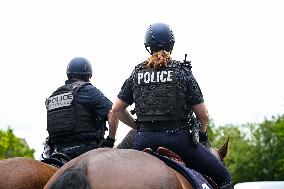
166 94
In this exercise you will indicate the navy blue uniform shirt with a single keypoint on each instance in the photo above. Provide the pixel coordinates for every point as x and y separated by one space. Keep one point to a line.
94 99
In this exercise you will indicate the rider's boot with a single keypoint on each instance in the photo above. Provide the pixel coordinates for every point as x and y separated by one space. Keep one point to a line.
227 186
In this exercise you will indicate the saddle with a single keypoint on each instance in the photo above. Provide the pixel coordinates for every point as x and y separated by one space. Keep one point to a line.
56 159
198 180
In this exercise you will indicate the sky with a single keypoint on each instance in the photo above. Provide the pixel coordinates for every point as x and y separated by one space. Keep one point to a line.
236 49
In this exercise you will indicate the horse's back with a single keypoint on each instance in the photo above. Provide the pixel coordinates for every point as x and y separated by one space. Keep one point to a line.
122 169
24 173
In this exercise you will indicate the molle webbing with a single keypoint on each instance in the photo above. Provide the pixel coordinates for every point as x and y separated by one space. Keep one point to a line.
71 119
157 96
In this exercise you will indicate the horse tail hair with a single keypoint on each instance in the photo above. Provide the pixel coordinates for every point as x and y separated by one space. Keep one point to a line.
74 177
128 141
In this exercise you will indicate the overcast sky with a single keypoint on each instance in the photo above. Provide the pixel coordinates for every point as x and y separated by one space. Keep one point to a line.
236 49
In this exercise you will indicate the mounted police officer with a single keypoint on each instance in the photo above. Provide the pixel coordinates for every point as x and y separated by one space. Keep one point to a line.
77 113
167 99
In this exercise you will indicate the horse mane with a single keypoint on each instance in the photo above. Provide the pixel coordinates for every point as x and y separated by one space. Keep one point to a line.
74 177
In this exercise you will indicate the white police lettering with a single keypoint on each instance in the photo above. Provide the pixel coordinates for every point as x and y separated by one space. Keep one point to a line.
205 186
154 76
146 77
170 76
59 101
140 76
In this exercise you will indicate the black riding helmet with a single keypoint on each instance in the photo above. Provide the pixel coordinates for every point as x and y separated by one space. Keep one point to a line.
79 67
159 36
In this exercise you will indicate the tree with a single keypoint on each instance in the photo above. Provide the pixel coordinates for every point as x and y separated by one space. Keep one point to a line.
269 147
256 150
279 133
12 146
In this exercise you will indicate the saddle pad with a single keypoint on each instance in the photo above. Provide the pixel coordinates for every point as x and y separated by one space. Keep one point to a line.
195 178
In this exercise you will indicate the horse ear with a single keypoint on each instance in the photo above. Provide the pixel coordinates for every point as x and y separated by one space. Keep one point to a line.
224 149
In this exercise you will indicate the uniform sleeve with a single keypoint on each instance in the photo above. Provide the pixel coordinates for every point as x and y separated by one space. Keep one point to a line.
126 92
98 103
195 95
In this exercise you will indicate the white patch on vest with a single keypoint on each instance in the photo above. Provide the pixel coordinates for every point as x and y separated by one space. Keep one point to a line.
146 77
170 76
158 79
205 186
59 101
140 76
153 77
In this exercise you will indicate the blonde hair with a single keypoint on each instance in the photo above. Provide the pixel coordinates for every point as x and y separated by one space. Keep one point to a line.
158 59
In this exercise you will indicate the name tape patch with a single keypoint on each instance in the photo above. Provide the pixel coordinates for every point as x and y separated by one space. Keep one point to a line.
59 101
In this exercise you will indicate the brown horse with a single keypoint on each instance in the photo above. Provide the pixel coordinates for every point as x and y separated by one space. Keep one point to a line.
24 173
120 168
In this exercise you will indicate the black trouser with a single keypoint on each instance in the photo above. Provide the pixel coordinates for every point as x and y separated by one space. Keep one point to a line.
180 142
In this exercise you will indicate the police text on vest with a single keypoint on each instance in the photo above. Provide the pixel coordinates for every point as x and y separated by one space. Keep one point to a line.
154 76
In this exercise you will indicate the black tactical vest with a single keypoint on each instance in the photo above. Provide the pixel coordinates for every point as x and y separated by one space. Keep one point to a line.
66 117
157 95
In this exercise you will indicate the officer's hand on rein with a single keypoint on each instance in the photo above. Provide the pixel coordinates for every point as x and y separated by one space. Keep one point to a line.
108 142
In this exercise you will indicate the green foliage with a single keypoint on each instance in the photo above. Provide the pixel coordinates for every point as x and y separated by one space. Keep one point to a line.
12 146
256 151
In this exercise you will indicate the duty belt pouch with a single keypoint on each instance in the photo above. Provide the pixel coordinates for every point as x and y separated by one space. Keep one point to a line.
60 121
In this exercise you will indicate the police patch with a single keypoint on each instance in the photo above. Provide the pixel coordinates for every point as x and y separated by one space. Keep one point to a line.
59 101
153 76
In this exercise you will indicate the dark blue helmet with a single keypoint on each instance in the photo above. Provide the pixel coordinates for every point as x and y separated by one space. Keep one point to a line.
159 36
79 66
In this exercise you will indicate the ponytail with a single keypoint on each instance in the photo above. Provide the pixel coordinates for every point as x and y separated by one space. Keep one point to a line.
158 59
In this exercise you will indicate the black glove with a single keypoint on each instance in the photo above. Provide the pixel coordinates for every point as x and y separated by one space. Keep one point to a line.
108 142
203 139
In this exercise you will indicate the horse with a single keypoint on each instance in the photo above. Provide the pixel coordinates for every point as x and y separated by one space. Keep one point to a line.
27 173
24 173
109 168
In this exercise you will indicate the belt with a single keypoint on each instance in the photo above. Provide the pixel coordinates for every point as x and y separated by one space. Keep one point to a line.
70 145
163 125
